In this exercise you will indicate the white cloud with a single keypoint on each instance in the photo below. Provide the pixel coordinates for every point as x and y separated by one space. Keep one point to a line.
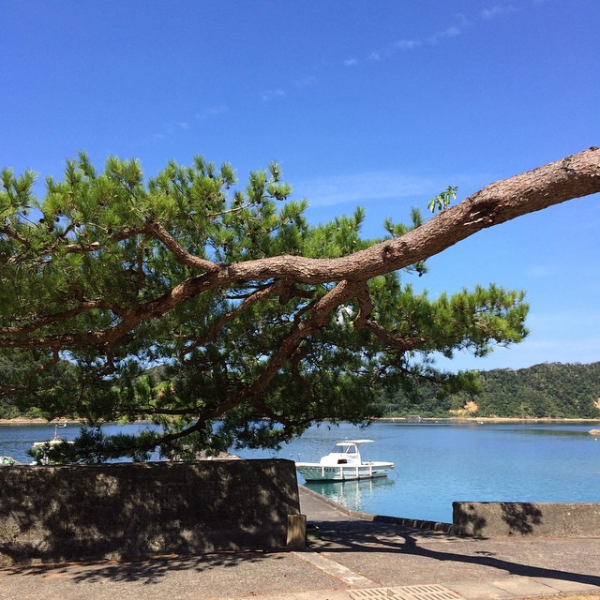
362 187
406 44
270 95
499 10
207 112
168 129
171 128
461 22
554 348
305 82
451 31
541 271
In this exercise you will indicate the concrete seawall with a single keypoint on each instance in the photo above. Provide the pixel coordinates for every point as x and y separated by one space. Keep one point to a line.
51 514
486 519
534 519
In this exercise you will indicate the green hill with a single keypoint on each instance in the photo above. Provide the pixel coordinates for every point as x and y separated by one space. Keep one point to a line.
545 390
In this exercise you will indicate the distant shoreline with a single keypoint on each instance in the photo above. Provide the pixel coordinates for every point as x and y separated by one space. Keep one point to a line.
40 421
487 420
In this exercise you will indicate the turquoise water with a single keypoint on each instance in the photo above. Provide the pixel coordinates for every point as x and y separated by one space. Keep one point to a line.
436 464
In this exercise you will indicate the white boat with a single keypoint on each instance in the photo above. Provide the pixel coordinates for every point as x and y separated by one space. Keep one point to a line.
41 450
344 463
7 461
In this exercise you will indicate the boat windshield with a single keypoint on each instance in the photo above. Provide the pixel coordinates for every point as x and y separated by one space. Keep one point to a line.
345 449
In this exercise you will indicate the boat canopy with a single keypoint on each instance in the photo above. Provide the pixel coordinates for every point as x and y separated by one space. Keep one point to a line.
348 447
350 442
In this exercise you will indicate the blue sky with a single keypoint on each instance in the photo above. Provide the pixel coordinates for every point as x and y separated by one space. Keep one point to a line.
381 104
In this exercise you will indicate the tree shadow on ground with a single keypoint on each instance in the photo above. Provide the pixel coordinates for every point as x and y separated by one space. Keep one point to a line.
335 539
148 571
372 537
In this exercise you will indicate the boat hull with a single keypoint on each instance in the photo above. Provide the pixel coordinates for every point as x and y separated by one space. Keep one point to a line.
319 472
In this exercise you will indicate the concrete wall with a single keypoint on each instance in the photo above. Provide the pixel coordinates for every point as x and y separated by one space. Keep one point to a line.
538 519
52 514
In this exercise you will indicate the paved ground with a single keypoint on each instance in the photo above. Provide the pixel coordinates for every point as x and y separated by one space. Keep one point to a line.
353 559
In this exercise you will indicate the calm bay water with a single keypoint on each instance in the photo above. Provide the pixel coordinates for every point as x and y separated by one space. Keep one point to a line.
436 463
16 440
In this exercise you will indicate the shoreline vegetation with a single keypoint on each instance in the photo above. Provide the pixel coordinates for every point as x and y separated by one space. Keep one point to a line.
543 393
491 419
408 419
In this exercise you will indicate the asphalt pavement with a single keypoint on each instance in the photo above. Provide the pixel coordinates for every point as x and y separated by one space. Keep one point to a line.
351 556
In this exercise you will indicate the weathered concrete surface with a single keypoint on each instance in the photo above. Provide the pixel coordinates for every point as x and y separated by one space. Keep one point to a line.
51 514
352 559
539 519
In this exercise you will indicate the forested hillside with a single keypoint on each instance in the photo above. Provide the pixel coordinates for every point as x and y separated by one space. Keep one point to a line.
545 390
554 390
21 398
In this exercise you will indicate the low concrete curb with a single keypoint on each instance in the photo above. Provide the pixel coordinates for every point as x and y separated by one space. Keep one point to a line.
534 519
497 519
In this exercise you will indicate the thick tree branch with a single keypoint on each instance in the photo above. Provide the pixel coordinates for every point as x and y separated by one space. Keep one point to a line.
557 182
572 177
237 377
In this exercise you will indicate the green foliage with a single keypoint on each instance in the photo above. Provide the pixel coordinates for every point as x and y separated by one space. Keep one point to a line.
33 389
111 274
542 391
92 446
443 199
549 390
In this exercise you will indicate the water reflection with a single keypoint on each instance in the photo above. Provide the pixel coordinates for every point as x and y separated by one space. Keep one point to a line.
352 494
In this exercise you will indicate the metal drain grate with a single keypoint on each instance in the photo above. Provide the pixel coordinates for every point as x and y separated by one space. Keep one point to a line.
409 592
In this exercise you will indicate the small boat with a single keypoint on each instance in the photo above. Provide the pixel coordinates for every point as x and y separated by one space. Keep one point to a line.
41 450
8 461
344 463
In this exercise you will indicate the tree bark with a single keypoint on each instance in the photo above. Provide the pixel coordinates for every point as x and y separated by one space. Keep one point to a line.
572 177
